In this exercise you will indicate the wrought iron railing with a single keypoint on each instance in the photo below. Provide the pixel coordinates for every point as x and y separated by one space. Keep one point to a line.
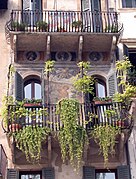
89 116
3 162
64 21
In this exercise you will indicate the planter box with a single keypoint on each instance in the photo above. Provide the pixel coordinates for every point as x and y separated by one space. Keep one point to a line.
102 102
32 104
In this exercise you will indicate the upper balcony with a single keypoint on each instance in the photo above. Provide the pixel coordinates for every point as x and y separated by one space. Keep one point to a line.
64 21
64 26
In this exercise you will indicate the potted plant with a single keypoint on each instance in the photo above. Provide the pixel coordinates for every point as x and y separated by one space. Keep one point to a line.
42 26
18 26
77 24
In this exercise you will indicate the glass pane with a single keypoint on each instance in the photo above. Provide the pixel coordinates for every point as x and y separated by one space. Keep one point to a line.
101 90
127 3
37 176
37 91
28 91
105 175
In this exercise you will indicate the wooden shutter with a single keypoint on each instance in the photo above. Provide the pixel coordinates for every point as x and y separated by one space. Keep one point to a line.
123 172
43 88
85 5
88 172
12 174
125 50
48 173
18 86
111 84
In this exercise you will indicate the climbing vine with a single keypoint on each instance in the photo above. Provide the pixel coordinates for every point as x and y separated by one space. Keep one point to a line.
83 82
72 137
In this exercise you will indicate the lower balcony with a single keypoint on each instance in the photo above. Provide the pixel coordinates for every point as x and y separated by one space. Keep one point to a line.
90 115
29 124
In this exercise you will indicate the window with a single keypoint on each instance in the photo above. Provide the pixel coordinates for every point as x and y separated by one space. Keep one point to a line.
99 88
3 4
32 89
106 174
30 175
129 3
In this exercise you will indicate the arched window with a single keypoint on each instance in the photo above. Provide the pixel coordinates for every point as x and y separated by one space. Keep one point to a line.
99 88
32 88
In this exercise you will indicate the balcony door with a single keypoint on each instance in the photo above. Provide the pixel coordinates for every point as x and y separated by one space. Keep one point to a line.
32 11
96 15
91 16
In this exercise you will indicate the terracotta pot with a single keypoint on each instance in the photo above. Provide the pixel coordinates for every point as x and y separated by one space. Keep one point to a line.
15 127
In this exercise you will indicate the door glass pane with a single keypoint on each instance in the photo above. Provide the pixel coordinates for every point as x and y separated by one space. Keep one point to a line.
127 3
101 90
105 176
28 92
37 91
37 176
95 5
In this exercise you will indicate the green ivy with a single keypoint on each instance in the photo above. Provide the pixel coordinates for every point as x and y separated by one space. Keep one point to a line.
105 137
29 141
82 82
72 137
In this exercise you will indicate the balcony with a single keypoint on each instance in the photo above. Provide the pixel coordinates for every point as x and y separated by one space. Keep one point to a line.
65 21
120 117
63 27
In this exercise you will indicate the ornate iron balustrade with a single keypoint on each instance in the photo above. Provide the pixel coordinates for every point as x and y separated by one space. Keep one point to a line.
64 21
3 162
89 116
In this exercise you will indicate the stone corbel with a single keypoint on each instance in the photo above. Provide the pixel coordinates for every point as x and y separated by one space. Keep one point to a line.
15 47
49 150
121 147
80 48
48 47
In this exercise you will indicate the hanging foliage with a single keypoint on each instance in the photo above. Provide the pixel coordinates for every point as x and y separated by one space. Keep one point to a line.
29 141
72 137
105 137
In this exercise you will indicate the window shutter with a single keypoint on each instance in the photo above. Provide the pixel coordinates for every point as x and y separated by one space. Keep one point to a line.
88 172
3 4
125 49
48 173
18 86
111 84
123 172
43 88
85 5
12 174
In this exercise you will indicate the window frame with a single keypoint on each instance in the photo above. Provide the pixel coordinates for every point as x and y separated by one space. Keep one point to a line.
106 171
30 173
133 3
32 80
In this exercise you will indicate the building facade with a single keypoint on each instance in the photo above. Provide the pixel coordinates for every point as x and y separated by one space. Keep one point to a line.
67 32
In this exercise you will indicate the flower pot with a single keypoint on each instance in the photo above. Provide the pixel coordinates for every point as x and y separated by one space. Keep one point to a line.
14 127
